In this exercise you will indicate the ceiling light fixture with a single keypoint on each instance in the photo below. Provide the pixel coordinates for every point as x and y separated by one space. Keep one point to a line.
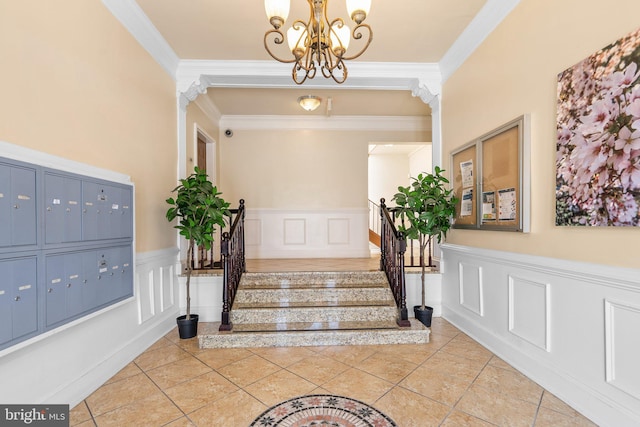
319 42
309 102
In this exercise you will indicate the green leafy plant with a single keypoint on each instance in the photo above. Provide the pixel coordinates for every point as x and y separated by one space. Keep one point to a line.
198 209
428 207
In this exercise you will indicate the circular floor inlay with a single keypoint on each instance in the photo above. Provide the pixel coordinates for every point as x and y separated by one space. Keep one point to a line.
323 410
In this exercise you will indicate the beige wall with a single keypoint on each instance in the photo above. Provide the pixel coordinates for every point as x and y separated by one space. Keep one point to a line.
514 72
295 169
76 84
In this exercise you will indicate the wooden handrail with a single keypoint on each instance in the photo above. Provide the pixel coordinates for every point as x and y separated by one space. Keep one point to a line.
233 264
392 249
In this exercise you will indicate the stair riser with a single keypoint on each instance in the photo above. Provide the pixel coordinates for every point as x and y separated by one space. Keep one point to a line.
301 339
311 279
312 295
333 314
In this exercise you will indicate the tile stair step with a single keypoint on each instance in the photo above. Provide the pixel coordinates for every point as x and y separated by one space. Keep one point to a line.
416 334
314 294
313 279
319 304
313 314
314 326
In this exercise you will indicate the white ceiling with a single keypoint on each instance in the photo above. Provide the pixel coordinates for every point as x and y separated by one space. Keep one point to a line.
404 31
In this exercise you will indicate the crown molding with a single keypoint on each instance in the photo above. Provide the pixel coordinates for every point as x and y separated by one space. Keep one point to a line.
194 75
131 16
341 123
209 108
489 17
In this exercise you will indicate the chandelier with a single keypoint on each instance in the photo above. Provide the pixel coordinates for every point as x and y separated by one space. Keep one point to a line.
319 42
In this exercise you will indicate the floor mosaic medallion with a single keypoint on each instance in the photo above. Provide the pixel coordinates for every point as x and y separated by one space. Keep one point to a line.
322 410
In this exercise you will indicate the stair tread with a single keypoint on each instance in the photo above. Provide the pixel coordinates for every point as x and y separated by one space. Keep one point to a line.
312 304
359 285
314 326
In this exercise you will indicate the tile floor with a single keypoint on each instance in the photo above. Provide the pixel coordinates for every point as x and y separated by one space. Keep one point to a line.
452 381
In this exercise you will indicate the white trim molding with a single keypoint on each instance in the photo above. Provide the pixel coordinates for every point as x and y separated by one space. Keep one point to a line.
569 326
342 123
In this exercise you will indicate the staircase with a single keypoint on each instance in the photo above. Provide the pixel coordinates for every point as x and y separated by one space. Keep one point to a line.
314 308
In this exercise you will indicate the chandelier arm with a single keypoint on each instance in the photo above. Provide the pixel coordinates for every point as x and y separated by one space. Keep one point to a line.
357 35
278 40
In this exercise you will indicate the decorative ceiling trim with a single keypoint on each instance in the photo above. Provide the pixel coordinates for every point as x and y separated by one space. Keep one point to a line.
208 108
192 74
489 17
131 16
342 123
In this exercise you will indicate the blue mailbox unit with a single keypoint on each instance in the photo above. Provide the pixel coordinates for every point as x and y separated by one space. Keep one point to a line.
66 248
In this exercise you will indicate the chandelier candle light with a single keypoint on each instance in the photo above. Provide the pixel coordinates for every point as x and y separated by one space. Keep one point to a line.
318 43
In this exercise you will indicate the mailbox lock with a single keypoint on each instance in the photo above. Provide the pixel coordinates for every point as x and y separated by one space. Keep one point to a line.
17 298
68 285
84 281
68 209
48 208
16 206
50 290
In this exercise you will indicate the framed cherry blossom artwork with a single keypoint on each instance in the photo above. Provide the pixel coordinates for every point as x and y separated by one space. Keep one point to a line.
598 145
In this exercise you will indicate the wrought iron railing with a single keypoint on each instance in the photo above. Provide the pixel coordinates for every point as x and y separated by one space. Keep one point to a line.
412 255
392 249
233 263
212 259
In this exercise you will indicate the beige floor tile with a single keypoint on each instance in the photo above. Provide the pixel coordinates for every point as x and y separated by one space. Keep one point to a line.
350 355
162 342
511 383
442 327
181 422
549 418
283 356
407 408
358 385
198 392
128 371
177 372
219 357
120 393
436 385
248 370
468 349
437 341
88 423
460 419
499 363
496 407
190 345
456 366
79 414
282 385
550 401
318 369
154 410
387 367
414 353
154 358
237 409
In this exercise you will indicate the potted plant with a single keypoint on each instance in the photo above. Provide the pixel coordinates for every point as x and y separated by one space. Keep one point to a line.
428 207
198 209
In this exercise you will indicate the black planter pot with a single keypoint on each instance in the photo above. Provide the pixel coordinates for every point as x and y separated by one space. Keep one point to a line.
424 316
187 328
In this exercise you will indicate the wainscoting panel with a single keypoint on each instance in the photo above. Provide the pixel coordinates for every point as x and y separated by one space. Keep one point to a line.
529 311
622 338
296 233
252 232
338 231
571 327
471 296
